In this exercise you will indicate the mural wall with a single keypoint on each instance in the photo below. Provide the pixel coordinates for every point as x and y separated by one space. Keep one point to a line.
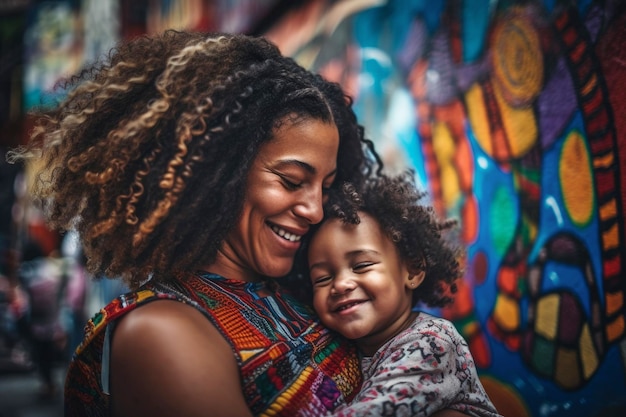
512 114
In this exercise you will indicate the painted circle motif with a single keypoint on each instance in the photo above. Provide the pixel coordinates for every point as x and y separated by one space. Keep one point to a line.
503 219
517 60
576 179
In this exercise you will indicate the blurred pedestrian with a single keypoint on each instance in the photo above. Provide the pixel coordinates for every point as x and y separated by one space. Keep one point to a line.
44 279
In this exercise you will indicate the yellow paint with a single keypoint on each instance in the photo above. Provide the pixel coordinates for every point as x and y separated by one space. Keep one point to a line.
603 161
547 316
443 142
471 328
576 179
450 185
517 60
608 210
506 313
478 118
444 149
519 123
588 354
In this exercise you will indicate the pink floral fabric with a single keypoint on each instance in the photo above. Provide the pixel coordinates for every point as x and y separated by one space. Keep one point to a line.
426 368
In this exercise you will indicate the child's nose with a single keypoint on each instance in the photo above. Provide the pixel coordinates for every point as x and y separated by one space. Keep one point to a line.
342 284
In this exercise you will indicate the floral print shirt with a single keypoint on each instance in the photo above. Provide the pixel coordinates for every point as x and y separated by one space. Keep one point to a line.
425 368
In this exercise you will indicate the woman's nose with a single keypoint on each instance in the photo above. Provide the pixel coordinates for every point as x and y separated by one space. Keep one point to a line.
310 206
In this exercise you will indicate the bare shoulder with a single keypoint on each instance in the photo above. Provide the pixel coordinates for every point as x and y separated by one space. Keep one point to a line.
168 359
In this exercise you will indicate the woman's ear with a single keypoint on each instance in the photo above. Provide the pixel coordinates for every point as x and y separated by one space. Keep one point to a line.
415 279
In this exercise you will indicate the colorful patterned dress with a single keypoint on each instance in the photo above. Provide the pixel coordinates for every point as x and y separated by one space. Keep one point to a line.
312 372
425 368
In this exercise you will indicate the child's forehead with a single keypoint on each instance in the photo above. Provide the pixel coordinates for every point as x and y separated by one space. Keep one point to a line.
328 227
339 243
368 228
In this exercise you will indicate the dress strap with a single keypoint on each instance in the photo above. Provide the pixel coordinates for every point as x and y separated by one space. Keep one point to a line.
106 358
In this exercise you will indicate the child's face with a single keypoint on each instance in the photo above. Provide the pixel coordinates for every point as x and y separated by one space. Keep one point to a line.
361 286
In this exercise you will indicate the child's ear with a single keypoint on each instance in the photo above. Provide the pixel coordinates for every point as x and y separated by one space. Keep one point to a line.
415 279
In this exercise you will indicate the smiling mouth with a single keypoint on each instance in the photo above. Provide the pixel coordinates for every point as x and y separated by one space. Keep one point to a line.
291 237
347 306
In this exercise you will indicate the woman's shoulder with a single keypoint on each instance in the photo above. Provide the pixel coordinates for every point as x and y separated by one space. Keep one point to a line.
163 315
164 329
146 323
119 307
169 350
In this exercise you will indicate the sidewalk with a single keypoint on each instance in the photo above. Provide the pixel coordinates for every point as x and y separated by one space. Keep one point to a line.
19 395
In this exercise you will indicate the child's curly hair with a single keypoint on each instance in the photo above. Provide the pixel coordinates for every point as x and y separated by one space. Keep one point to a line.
412 227
148 156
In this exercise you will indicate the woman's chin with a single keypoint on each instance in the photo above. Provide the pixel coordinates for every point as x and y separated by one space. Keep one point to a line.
278 271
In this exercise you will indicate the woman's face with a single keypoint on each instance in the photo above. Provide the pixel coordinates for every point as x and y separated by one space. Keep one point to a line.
284 194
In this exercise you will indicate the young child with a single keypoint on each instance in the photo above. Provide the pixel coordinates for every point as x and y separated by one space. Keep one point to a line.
376 254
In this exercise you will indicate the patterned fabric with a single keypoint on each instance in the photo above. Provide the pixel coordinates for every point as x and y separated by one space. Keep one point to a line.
311 372
426 368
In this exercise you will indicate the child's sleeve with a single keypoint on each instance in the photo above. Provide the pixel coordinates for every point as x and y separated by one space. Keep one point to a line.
419 373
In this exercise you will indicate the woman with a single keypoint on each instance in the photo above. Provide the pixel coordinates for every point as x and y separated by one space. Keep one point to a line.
191 165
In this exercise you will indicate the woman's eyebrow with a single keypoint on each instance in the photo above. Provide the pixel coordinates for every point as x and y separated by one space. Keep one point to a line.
306 166
286 162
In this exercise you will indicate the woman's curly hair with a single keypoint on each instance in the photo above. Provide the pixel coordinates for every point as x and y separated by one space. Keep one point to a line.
414 228
148 156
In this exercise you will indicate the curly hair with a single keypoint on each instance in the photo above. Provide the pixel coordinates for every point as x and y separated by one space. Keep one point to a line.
147 156
414 229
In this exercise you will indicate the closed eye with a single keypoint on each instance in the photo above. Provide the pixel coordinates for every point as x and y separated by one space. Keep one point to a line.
288 183
362 266
321 281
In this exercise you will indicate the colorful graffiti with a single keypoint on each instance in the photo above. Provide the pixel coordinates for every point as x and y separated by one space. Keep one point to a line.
511 114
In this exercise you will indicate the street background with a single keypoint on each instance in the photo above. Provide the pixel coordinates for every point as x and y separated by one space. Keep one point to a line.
510 112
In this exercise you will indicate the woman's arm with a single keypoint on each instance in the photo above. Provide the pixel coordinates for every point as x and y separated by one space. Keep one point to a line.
168 360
